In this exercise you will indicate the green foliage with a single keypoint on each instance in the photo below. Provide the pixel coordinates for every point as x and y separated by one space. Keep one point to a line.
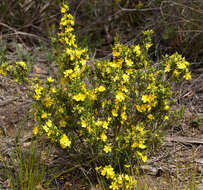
18 72
111 111
26 168
197 121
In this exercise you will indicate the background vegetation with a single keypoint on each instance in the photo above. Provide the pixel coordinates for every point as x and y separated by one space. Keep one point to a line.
177 23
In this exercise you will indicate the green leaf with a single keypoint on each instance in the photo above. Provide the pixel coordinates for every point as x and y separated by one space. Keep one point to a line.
165 35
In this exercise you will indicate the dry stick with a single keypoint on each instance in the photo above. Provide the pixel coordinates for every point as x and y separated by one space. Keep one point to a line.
4 103
76 10
16 32
140 10
185 140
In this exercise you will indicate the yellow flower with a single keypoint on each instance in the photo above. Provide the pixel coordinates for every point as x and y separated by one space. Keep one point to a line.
140 129
123 116
109 119
105 125
62 81
166 107
150 116
127 165
148 32
108 70
129 62
46 129
148 98
63 22
22 64
44 115
141 145
84 123
2 72
114 113
167 68
67 73
103 172
139 108
35 130
64 141
175 73
125 77
129 71
49 123
115 53
123 89
145 98
115 78
69 29
63 10
187 76
108 172
53 90
98 123
143 157
119 63
50 79
62 123
149 86
103 137
148 45
93 96
166 117
114 185
165 102
98 168
120 96
137 50
80 133
127 178
145 64
101 89
107 149
83 62
79 97
61 110
48 100
120 179
38 91
151 98
135 145
182 65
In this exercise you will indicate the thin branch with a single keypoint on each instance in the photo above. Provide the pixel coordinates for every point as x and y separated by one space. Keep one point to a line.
141 10
16 32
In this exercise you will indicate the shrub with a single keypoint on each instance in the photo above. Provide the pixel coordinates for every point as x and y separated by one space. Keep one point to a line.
113 112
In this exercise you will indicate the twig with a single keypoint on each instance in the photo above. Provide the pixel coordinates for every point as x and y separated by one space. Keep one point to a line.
4 103
185 140
16 32
141 10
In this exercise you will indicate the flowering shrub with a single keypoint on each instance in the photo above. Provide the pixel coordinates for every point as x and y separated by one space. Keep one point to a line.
18 72
113 110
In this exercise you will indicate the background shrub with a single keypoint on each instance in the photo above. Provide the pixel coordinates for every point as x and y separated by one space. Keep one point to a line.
177 24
